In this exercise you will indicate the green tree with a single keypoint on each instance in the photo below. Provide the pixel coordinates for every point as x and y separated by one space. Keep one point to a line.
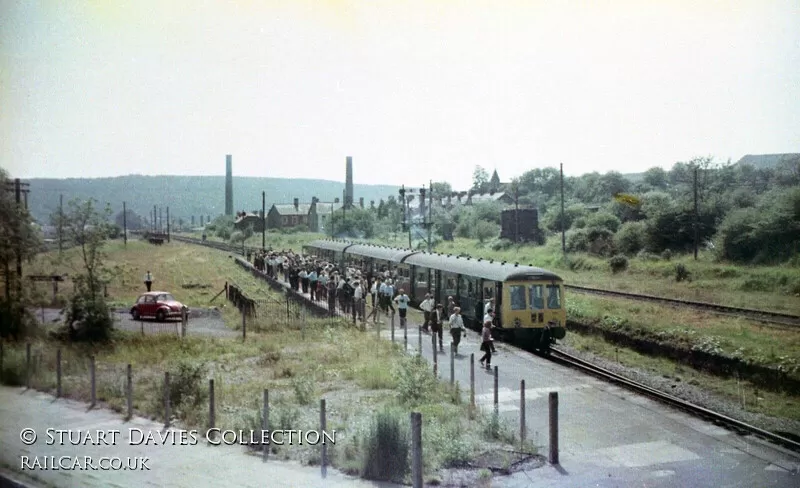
480 180
656 177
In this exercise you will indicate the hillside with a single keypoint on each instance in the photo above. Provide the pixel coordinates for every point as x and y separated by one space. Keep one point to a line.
189 195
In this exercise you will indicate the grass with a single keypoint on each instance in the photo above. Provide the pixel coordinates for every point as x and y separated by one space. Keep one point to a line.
756 400
357 373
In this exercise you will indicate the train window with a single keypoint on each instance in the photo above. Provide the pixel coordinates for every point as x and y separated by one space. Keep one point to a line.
517 297
422 277
537 297
553 296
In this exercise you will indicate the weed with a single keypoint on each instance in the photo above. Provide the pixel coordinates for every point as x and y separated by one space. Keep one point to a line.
618 264
387 448
496 428
415 381
304 389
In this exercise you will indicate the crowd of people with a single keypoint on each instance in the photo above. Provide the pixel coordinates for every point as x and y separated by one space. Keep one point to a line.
346 290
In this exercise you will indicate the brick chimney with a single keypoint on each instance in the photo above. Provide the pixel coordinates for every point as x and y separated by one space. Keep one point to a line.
296 203
361 202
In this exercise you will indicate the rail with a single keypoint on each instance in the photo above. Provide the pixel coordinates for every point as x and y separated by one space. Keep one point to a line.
562 357
759 315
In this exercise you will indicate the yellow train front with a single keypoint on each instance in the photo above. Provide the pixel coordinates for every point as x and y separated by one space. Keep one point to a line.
529 301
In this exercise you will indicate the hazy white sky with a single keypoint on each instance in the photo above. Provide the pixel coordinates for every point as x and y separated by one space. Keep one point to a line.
429 88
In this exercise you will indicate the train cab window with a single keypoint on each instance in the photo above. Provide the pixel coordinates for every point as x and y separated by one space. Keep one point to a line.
553 296
537 297
517 293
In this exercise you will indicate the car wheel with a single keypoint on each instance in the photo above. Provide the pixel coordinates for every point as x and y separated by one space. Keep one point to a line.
135 314
161 316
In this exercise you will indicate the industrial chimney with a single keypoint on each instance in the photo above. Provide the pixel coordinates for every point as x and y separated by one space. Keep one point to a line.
228 184
296 203
361 202
348 185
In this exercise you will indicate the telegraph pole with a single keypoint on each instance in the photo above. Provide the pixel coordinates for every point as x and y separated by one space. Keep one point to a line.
125 223
60 223
160 220
155 220
263 220
696 216
563 229
430 215
516 213
344 207
167 224
332 234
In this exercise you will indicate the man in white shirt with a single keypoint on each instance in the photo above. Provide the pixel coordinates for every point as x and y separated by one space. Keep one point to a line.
457 328
489 319
427 307
358 302
148 280
390 295
402 305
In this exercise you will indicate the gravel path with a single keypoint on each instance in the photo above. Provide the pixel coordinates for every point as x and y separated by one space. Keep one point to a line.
202 322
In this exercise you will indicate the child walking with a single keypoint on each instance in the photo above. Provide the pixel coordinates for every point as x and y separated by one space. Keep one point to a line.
486 344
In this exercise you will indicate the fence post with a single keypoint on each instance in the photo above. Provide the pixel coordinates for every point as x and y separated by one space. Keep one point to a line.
58 373
522 428
472 380
405 336
166 400
553 427
288 317
378 330
452 364
1 362
392 331
244 323
28 365
184 322
129 392
420 341
323 426
265 423
496 391
211 408
435 357
93 378
416 449
227 297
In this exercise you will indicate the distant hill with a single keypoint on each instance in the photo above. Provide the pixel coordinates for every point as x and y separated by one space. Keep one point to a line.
189 195
765 161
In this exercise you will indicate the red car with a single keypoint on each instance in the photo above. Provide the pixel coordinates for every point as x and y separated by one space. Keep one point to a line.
157 304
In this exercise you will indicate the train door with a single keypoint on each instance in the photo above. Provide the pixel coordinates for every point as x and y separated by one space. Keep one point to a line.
437 288
469 297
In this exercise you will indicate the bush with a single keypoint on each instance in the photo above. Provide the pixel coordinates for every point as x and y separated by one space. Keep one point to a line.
630 238
666 255
501 244
304 389
88 318
484 230
386 448
187 389
681 273
593 240
415 381
603 220
15 321
618 263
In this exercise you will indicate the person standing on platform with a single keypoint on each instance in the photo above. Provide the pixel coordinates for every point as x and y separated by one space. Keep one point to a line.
402 305
427 307
148 280
437 323
457 328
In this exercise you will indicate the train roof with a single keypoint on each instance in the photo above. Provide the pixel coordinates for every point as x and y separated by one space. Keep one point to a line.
392 254
330 245
481 268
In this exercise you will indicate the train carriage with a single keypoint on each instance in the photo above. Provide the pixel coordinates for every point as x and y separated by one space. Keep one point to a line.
378 258
332 251
528 300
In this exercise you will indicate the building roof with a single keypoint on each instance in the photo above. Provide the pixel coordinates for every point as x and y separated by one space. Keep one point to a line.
489 197
323 206
289 209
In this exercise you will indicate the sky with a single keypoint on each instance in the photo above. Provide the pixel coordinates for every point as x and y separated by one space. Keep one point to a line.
412 90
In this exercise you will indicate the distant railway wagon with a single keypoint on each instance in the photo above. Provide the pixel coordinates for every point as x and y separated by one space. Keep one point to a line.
529 301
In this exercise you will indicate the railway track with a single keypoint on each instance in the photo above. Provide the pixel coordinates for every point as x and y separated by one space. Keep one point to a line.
777 318
568 360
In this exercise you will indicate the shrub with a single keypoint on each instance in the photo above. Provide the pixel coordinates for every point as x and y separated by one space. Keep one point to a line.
681 273
666 255
303 389
618 263
386 448
603 220
593 240
484 230
88 318
187 388
501 244
630 238
415 381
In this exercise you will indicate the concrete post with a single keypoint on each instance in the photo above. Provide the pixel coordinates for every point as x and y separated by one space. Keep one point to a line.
378 326
265 424
323 426
496 391
522 428
452 364
472 380
416 449
93 378
28 365
553 427
244 324
211 408
58 373
129 392
420 341
405 337
378 330
435 357
166 400
184 322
